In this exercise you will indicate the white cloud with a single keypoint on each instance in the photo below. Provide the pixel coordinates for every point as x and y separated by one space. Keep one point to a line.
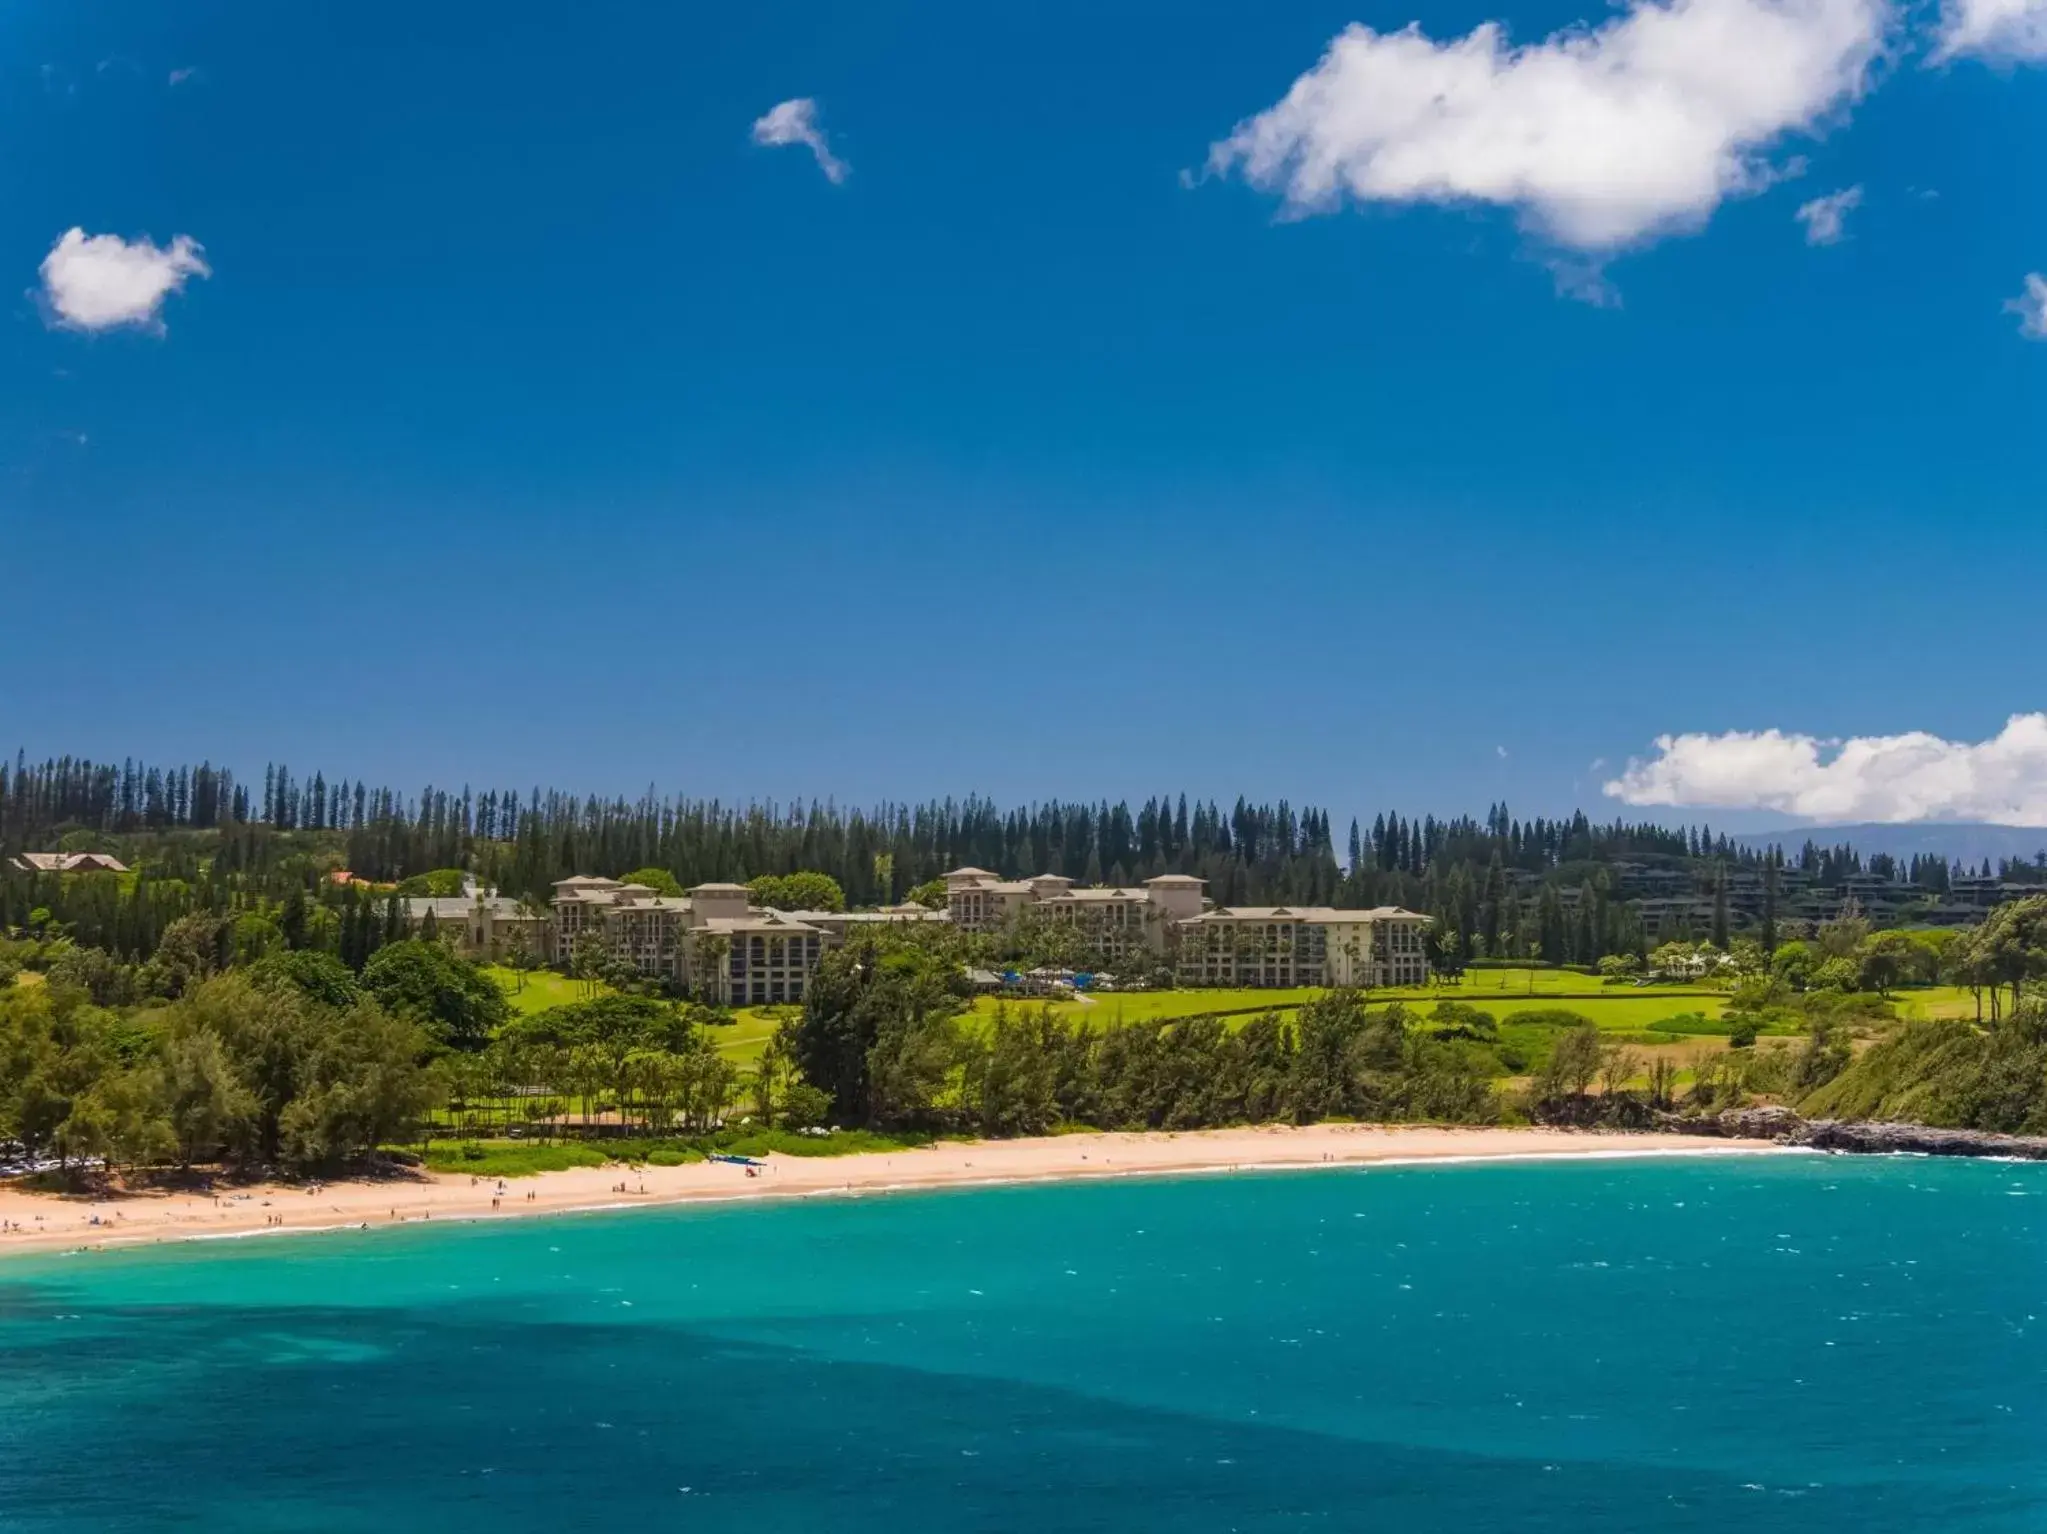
2031 308
795 122
2005 31
182 76
100 281
1824 217
1599 138
1914 776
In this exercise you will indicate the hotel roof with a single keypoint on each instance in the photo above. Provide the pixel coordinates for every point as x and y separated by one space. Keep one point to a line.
1319 914
765 921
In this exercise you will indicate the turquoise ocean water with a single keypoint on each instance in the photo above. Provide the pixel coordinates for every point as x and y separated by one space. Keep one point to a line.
1768 1343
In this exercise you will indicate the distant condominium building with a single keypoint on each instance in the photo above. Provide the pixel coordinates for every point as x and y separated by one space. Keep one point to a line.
1166 922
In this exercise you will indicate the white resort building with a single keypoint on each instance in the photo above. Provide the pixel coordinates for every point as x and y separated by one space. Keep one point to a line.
709 939
1167 919
1303 946
713 941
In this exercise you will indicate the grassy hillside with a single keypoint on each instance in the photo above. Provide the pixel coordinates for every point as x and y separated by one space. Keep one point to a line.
539 989
743 1039
1500 993
1937 1001
1622 1010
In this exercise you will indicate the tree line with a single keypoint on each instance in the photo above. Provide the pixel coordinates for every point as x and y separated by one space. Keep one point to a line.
228 1045
1471 876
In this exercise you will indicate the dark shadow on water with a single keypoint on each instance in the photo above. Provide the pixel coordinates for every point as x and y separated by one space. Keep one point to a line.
472 1416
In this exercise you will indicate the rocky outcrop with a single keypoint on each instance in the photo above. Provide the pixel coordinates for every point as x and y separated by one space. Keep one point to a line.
1770 1123
1787 1128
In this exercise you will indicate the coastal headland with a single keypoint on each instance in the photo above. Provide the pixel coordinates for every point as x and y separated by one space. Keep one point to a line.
44 1222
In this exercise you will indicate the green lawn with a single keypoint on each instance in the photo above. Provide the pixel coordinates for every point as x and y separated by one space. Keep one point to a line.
1936 1001
541 988
521 1158
742 1040
509 1158
1112 1007
1619 1009
1620 1013
1480 984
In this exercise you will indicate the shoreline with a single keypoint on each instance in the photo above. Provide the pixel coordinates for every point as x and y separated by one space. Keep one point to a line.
66 1223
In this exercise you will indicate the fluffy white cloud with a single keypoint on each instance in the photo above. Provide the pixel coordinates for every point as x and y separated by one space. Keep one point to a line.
1600 138
795 122
1824 217
2003 30
2031 308
100 281
1914 776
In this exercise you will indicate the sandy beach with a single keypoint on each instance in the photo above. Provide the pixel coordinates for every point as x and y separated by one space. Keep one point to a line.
41 1221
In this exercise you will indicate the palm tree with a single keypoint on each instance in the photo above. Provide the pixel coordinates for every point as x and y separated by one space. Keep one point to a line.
708 952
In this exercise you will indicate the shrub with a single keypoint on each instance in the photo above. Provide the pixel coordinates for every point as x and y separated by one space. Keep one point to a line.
1546 1017
659 880
437 883
804 1106
798 892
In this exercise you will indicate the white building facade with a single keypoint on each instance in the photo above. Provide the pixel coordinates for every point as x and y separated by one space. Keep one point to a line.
1166 921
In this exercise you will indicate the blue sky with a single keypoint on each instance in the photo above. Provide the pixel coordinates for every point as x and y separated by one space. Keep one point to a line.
533 422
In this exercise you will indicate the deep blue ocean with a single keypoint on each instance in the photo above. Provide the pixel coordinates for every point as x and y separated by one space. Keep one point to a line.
1758 1343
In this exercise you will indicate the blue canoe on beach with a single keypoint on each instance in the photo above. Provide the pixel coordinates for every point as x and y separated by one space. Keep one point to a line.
737 1160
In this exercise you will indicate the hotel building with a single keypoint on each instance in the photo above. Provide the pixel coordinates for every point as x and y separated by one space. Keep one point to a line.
1165 921
711 940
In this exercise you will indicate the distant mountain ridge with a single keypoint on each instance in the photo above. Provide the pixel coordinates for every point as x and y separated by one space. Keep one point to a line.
1964 841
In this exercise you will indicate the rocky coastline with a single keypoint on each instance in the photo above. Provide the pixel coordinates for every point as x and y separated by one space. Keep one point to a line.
1870 1139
